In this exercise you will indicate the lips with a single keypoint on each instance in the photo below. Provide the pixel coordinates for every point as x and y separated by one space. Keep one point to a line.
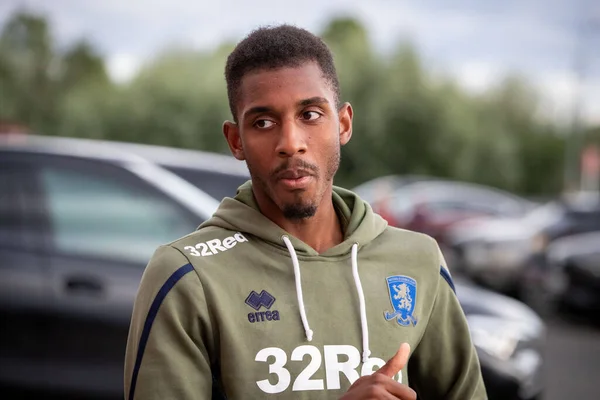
293 174
294 179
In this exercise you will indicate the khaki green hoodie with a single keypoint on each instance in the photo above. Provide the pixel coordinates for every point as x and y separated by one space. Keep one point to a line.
240 309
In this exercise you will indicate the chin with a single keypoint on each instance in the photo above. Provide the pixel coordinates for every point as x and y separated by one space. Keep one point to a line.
299 211
298 206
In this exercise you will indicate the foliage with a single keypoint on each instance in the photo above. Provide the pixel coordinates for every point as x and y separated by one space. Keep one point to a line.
407 120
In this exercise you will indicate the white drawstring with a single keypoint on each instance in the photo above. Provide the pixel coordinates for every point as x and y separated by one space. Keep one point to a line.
361 301
290 247
361 296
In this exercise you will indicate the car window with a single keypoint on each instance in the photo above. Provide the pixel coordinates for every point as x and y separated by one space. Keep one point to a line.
583 221
401 206
467 207
448 209
216 184
377 189
404 205
489 201
100 216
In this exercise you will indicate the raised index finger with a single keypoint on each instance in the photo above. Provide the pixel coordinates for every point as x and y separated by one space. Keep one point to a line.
396 363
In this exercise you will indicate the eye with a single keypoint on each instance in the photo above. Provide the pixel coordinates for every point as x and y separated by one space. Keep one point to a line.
311 115
263 124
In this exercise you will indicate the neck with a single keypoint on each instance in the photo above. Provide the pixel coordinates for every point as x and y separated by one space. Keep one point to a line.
322 231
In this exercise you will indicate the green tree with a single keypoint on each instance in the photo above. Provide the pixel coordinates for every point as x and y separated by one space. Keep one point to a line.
408 120
27 92
82 64
179 99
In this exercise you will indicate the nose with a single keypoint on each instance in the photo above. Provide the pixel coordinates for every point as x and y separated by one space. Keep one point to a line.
291 139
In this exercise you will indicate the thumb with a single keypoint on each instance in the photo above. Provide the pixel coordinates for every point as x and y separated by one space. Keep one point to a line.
397 362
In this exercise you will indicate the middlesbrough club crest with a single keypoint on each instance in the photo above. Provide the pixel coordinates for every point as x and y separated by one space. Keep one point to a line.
403 296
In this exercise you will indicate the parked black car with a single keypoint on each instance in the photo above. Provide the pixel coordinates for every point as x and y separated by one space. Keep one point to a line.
78 222
566 277
509 338
496 251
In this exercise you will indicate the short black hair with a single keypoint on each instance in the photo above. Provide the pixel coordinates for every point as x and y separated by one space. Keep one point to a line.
277 47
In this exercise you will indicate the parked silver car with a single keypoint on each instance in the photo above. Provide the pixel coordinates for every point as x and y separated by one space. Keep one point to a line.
78 222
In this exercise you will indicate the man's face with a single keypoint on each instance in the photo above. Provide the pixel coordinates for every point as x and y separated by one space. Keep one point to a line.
289 132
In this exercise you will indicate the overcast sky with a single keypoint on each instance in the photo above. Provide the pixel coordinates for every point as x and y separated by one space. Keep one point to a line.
476 40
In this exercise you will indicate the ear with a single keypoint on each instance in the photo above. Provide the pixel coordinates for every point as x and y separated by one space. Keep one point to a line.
345 115
231 130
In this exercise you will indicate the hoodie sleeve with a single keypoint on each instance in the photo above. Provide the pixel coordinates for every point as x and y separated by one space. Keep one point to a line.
445 364
167 354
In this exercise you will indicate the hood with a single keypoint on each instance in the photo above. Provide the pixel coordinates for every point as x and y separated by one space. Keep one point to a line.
241 213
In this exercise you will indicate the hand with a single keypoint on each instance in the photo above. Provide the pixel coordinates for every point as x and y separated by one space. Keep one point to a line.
380 385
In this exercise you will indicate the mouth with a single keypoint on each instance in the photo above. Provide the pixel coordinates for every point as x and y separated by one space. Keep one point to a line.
295 178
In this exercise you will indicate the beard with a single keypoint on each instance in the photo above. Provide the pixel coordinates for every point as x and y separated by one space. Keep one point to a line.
301 207
298 211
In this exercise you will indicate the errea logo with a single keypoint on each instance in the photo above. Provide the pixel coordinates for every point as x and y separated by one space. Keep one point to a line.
256 301
215 246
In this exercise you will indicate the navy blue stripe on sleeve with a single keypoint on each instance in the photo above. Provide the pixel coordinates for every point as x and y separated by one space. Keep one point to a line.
162 293
446 275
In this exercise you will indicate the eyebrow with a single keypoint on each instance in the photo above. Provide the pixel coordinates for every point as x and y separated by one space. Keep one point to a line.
314 101
256 110
306 102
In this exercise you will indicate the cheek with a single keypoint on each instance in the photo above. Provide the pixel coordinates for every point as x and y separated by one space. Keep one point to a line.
257 157
259 142
252 145
330 146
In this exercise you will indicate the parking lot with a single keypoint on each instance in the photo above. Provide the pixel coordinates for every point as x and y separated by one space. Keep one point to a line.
572 359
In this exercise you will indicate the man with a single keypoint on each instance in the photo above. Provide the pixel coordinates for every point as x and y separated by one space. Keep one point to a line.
295 288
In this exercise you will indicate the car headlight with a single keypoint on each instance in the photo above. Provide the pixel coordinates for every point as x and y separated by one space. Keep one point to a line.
492 335
511 348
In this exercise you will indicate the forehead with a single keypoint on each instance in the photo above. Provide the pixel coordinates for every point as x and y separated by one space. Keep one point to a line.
283 87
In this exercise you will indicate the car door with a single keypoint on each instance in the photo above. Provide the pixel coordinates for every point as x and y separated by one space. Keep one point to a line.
24 286
105 223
